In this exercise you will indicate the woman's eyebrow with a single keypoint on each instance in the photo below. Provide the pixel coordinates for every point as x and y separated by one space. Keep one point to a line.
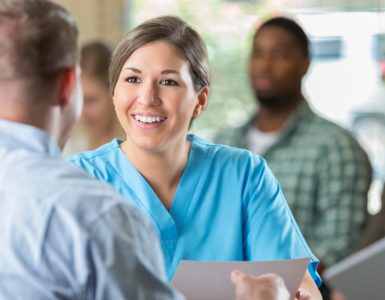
132 69
169 72
164 72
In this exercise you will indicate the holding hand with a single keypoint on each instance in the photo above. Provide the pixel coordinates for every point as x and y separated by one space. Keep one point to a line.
303 294
264 287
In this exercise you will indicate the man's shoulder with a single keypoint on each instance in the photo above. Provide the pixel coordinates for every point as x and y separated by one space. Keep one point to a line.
78 192
59 184
232 136
59 193
324 131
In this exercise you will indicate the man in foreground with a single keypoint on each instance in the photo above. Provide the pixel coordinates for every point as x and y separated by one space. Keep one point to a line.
64 235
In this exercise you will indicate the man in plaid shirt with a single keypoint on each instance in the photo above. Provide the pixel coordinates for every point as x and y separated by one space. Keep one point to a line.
325 175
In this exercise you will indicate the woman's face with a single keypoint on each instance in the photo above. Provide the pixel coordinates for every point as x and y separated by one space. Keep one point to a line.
155 98
98 110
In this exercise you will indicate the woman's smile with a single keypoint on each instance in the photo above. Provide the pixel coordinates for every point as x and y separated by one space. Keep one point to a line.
147 121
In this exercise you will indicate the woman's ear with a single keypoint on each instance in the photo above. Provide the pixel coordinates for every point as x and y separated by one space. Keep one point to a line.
203 98
67 80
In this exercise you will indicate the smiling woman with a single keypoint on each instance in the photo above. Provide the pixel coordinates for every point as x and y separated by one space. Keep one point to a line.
155 100
195 192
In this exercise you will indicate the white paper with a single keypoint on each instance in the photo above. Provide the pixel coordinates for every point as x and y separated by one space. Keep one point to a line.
211 280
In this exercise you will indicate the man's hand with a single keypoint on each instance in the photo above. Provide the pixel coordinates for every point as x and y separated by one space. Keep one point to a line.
264 287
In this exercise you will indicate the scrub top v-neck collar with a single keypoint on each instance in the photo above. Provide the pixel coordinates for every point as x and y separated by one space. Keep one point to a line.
171 222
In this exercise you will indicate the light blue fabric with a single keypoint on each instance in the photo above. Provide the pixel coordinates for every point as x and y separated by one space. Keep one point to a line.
65 235
228 205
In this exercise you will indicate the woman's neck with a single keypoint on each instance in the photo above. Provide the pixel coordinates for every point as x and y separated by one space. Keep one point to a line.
162 169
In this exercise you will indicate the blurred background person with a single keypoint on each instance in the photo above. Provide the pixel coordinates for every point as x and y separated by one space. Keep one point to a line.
98 123
324 173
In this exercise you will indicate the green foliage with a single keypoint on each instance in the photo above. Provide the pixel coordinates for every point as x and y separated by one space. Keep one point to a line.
230 102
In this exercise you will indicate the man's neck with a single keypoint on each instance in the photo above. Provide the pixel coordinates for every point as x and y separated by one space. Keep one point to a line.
269 120
24 118
17 106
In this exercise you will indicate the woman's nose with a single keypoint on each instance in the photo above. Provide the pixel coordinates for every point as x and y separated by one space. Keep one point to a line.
148 94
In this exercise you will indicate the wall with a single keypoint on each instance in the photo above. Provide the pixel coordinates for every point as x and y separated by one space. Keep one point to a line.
97 19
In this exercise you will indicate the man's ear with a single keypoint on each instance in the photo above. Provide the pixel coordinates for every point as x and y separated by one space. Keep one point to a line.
67 80
203 98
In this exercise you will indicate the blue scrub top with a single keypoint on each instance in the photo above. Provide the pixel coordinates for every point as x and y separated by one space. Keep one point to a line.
228 205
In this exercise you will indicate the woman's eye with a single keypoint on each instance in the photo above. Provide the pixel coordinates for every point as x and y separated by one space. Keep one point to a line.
168 82
133 79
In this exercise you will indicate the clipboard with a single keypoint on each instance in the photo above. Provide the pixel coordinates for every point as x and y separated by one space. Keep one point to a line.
361 275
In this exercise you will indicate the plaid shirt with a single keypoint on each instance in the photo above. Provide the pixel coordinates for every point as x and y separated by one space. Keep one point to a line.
325 176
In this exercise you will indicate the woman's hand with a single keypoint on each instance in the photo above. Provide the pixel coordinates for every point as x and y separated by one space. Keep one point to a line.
303 294
308 290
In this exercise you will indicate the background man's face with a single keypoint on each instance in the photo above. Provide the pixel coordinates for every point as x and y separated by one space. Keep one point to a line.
277 65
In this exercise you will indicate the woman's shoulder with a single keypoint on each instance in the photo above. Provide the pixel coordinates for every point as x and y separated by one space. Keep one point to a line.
94 161
103 150
225 154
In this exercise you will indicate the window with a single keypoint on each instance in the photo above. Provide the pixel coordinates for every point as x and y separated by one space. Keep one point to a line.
328 47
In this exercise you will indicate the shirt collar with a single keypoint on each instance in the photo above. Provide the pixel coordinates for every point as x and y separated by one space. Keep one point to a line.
300 112
19 135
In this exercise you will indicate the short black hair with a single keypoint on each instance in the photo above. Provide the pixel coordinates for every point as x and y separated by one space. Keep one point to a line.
290 26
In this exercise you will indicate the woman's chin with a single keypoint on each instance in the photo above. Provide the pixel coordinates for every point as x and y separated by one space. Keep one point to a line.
148 145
